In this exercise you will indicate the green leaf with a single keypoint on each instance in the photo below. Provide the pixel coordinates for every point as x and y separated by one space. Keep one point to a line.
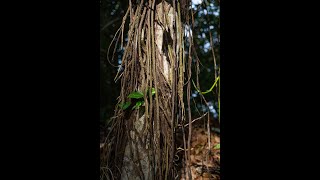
138 104
124 105
136 95
217 146
153 91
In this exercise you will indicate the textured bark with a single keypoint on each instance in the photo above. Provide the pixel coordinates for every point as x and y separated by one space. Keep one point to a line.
140 160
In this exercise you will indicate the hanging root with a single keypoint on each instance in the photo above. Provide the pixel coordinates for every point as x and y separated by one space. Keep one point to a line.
142 142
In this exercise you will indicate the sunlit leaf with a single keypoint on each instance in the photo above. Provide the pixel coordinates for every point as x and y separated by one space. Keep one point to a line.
136 95
138 104
217 146
153 91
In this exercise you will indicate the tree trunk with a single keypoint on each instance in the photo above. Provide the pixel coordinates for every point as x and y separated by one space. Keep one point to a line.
153 58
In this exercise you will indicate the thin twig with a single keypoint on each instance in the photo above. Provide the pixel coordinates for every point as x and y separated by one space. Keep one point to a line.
109 23
197 119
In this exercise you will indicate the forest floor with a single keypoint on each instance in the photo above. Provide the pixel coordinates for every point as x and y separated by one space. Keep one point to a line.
205 157
205 161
